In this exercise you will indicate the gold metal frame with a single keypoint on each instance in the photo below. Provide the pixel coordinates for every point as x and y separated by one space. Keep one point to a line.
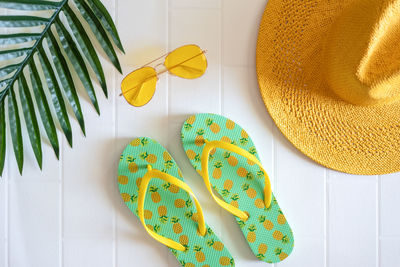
160 64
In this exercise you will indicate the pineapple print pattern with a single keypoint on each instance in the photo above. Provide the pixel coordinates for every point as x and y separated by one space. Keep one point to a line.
240 182
169 211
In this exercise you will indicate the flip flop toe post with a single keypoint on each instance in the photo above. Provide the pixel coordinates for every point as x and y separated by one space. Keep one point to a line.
152 187
225 156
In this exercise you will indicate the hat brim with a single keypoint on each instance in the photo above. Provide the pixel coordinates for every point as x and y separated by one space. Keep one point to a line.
341 136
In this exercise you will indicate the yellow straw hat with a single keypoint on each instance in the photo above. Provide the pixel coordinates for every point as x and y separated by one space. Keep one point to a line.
329 75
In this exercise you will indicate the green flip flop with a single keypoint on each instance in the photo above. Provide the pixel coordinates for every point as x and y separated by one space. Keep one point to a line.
152 187
225 156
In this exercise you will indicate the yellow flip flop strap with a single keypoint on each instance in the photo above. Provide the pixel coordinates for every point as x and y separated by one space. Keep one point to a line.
142 196
210 145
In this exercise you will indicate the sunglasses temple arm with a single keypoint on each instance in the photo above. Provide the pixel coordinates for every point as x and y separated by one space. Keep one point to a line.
155 60
202 52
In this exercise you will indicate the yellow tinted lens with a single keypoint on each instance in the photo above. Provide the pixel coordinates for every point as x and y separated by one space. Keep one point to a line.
138 87
187 62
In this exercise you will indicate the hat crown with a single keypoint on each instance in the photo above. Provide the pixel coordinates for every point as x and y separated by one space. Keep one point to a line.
364 53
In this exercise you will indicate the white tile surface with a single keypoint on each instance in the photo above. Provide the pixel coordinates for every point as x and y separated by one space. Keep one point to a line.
308 252
34 223
389 198
71 213
240 29
390 255
352 213
88 252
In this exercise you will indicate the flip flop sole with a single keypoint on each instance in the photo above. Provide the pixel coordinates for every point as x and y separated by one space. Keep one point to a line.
240 183
169 210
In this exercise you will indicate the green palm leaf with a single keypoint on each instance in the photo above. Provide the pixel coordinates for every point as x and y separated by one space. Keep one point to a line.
2 137
52 51
28 4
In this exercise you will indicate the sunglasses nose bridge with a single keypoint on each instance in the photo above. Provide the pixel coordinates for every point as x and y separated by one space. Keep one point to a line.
158 66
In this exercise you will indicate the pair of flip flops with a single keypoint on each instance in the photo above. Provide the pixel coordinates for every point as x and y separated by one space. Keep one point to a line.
152 186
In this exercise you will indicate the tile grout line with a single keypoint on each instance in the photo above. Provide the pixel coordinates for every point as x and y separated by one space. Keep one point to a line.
378 220
274 162
221 84
115 110
7 211
168 80
7 203
275 159
221 60
326 218
6 219
61 204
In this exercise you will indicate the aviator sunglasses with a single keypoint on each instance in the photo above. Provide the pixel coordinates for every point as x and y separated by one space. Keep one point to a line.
188 62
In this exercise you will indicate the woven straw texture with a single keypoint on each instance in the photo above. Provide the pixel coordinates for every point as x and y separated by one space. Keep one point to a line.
292 59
